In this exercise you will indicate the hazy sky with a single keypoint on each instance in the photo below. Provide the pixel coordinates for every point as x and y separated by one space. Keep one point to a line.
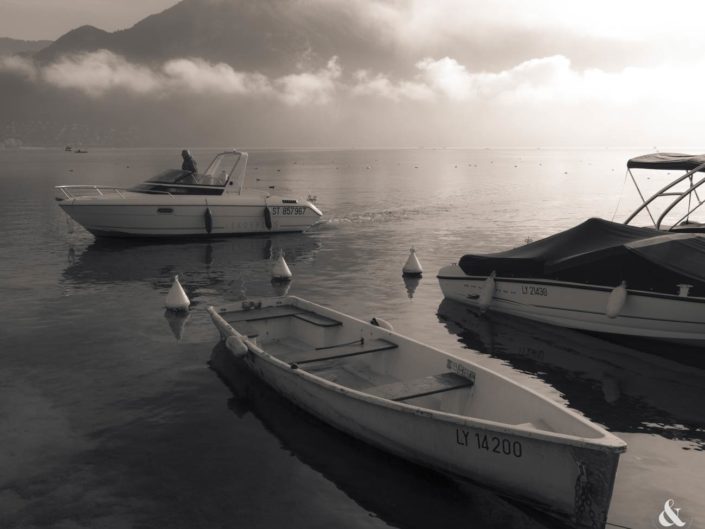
49 19
463 72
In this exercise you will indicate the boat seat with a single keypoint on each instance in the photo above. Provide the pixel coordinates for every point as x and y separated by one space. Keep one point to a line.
285 311
261 314
317 319
341 351
419 387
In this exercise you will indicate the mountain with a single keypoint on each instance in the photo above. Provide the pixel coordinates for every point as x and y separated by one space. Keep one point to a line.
269 36
15 46
82 39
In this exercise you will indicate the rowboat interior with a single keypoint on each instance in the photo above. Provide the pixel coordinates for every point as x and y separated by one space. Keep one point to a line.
380 363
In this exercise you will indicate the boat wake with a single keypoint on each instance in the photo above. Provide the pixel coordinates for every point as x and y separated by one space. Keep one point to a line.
386 215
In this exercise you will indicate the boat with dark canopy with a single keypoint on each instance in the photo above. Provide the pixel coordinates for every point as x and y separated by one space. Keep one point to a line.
598 276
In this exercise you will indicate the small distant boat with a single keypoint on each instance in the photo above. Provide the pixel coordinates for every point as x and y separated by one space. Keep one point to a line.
178 203
426 405
672 207
68 148
599 276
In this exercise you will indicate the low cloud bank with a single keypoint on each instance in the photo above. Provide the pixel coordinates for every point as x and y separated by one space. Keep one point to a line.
98 73
535 81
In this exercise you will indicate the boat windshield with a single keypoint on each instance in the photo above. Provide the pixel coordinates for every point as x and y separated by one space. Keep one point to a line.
220 169
218 173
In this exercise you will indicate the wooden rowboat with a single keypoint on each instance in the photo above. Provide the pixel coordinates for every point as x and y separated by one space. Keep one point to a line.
427 406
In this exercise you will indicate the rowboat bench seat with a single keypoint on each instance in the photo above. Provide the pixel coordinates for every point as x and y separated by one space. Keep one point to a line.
419 387
269 313
317 319
341 351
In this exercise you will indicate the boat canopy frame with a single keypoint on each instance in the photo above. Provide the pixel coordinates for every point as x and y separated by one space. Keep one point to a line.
669 161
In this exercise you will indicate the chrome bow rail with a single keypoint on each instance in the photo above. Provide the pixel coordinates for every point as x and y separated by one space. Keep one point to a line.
73 191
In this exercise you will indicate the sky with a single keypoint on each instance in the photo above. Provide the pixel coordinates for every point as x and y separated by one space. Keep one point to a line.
49 19
464 72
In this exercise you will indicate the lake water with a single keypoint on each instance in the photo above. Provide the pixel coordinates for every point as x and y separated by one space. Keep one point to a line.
111 416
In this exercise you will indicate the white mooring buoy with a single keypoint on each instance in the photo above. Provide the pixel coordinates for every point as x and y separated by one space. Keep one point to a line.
176 299
412 268
280 270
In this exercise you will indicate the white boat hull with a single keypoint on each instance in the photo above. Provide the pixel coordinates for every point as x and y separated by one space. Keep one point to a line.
497 459
567 475
579 306
144 215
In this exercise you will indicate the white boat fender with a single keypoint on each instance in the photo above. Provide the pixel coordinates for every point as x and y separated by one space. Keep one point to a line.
176 299
616 300
487 293
280 270
267 217
384 324
236 346
209 220
412 268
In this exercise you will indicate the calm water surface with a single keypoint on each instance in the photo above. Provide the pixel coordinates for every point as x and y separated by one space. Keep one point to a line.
111 416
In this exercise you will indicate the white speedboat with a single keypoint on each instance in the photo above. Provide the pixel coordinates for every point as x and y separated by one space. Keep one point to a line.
426 405
180 203
598 276
674 206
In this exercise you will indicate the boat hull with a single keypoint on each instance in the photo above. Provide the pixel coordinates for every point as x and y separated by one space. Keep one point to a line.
198 216
584 307
570 478
481 454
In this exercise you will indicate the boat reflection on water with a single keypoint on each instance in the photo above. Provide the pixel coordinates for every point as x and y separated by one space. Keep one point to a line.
399 493
411 284
204 263
177 322
625 388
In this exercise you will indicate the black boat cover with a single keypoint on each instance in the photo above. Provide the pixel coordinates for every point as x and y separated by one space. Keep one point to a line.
599 252
668 161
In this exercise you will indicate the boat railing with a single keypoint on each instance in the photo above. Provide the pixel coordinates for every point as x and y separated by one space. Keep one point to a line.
692 190
667 191
74 191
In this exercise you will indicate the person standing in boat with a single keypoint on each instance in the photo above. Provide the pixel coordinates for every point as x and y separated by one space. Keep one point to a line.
189 163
